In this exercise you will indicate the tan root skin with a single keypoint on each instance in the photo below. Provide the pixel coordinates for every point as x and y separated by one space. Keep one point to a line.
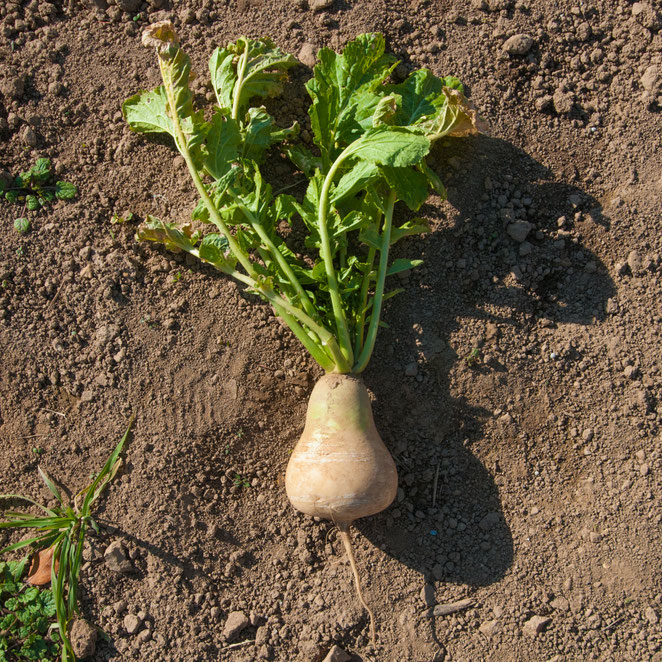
340 468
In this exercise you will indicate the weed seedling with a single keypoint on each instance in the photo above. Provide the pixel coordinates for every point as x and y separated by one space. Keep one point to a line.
25 615
241 481
62 528
473 357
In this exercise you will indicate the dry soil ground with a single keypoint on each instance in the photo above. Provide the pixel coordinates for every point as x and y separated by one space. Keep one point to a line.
530 480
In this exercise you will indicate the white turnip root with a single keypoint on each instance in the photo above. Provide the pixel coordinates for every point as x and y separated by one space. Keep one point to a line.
340 468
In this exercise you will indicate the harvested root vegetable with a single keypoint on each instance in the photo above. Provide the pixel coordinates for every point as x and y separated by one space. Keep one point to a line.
340 469
371 138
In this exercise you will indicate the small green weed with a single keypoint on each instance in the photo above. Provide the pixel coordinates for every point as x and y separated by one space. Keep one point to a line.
62 527
473 357
241 481
35 189
25 616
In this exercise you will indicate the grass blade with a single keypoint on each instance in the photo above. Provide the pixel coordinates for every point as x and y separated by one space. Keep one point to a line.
36 522
106 474
50 484
46 538
24 498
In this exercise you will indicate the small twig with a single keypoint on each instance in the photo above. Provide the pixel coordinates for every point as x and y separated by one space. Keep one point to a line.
50 303
451 607
238 645
32 436
616 622
434 486
52 411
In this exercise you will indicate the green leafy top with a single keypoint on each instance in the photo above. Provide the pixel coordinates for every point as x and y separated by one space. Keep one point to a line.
372 137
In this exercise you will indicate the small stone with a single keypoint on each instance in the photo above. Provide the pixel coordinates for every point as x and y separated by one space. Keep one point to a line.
119 607
651 615
116 557
307 55
490 628
320 5
13 87
144 636
519 44
525 249
28 136
560 604
644 469
131 623
128 5
584 31
536 624
83 637
489 521
563 102
594 536
652 79
634 261
519 230
631 372
262 635
427 595
234 624
411 369
337 654
588 434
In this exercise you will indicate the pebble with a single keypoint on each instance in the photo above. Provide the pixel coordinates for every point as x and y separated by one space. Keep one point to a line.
83 637
634 261
490 628
518 44
519 230
131 623
536 624
234 624
320 5
631 372
116 557
563 102
28 136
411 369
337 654
560 604
651 79
307 55
651 615
128 5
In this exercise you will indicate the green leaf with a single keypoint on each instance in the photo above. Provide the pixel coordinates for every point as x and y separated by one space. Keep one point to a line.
50 484
433 179
17 568
341 86
419 96
257 135
411 186
222 145
22 225
32 202
357 179
412 227
249 68
11 196
370 237
41 170
174 238
386 110
153 111
214 248
401 264
303 159
65 191
392 146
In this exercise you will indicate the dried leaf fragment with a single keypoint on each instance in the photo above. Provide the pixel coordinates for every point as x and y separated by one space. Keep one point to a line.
40 567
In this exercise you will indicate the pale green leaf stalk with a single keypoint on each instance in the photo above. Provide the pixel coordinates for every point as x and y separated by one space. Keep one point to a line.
372 138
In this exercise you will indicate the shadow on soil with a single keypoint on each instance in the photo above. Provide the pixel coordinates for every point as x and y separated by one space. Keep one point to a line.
448 522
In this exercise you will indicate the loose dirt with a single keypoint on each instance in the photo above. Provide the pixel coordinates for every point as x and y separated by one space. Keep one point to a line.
518 385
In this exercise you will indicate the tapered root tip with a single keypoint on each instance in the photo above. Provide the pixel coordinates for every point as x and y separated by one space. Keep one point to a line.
347 541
